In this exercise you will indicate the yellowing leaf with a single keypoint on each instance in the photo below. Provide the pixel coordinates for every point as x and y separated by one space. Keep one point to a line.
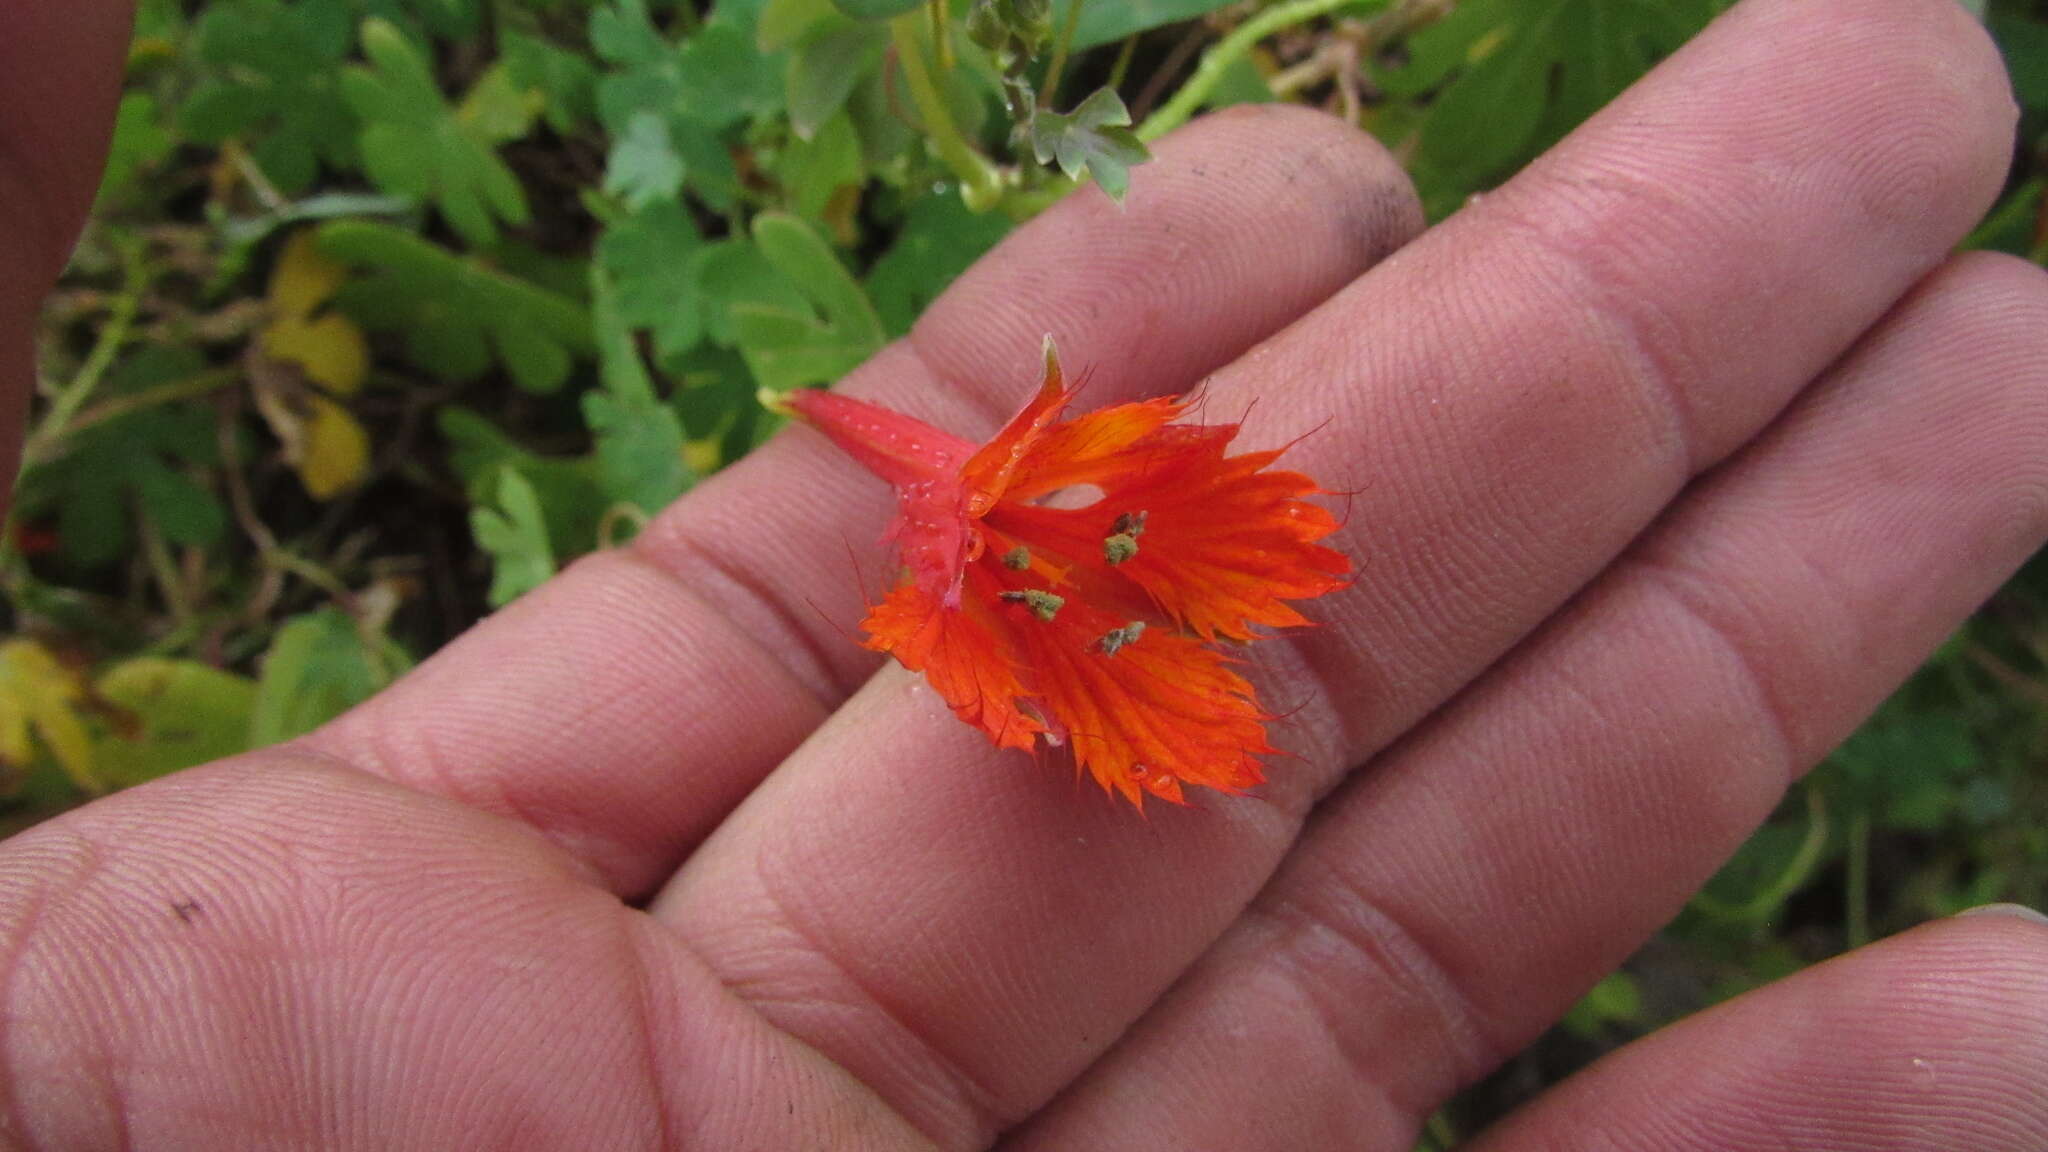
702 455
39 699
172 714
337 451
304 277
331 350
321 439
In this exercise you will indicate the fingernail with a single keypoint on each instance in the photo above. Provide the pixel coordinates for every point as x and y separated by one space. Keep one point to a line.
2016 911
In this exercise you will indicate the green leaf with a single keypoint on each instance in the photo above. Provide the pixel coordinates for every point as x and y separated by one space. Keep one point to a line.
624 34
185 512
733 272
2025 45
639 439
515 535
639 450
786 23
143 460
1771 867
497 109
455 311
648 80
787 349
1907 766
445 19
571 498
939 240
565 81
2010 226
1094 137
876 9
170 714
650 258
1523 74
1103 21
825 68
270 76
414 144
1616 1000
644 168
820 171
715 398
1240 82
318 666
724 80
140 142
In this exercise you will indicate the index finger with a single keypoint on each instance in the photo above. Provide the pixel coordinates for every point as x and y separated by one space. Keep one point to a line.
623 708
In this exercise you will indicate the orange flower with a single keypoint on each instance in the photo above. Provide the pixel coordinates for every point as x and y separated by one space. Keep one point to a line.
1093 626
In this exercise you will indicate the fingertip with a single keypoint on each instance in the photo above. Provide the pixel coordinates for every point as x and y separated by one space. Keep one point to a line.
1924 88
1931 1040
2017 913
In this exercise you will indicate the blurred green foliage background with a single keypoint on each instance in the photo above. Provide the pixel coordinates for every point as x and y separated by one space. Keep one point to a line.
390 307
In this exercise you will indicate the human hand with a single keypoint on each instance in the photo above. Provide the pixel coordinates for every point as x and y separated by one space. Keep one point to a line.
1671 458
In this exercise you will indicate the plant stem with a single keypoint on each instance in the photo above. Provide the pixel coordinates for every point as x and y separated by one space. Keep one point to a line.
1048 92
111 338
156 552
1857 894
200 384
1241 40
942 36
981 184
1122 67
1796 873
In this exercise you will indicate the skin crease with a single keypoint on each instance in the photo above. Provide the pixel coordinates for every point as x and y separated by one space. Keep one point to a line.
1672 457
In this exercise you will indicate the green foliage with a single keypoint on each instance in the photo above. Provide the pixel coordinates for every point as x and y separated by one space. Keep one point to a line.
414 144
665 121
2024 41
1507 78
170 714
572 499
318 666
1101 23
876 9
564 82
835 330
825 67
140 143
2019 224
651 257
515 535
148 463
271 79
939 240
639 440
1095 138
1616 1000
457 313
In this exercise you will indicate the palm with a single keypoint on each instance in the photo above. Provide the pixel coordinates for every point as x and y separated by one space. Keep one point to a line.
1579 672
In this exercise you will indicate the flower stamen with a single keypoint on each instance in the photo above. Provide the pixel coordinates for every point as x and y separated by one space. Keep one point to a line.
1116 639
1044 605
